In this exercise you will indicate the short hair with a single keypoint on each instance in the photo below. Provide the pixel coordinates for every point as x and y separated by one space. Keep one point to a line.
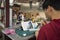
16 5
53 3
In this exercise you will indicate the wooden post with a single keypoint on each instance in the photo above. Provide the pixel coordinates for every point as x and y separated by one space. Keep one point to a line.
7 13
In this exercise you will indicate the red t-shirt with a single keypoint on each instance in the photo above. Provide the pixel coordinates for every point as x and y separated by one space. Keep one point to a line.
50 31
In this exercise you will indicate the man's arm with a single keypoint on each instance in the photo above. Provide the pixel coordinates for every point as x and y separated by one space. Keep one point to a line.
41 34
36 33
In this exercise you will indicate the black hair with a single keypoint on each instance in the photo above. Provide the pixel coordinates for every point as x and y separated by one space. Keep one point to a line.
53 3
16 5
20 13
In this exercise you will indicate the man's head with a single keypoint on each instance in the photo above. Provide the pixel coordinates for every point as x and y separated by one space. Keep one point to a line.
53 3
16 7
51 7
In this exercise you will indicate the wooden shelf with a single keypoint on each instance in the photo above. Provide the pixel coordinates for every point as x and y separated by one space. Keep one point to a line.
1 7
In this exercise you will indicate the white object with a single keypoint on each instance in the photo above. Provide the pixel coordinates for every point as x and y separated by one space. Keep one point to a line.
24 34
29 26
25 25
34 25
2 25
33 29
2 4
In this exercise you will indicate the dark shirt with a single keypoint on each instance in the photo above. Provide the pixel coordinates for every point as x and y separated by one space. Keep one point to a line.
19 18
50 31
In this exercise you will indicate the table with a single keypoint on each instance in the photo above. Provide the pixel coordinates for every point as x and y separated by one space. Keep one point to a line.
17 37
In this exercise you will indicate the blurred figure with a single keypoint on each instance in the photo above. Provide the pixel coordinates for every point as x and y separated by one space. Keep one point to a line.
14 19
20 17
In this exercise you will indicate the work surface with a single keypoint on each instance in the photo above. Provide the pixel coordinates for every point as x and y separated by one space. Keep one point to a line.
16 36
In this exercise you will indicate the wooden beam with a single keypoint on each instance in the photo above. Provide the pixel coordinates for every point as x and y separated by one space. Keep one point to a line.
7 13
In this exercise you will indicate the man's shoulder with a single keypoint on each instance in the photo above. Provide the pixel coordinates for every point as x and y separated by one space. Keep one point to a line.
46 27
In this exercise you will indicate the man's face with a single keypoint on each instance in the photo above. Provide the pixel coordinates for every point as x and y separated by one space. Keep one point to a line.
47 13
16 8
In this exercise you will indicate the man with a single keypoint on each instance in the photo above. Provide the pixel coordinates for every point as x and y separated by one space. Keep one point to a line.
51 31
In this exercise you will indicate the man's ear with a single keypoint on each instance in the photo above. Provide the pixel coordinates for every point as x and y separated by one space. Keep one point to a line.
50 9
